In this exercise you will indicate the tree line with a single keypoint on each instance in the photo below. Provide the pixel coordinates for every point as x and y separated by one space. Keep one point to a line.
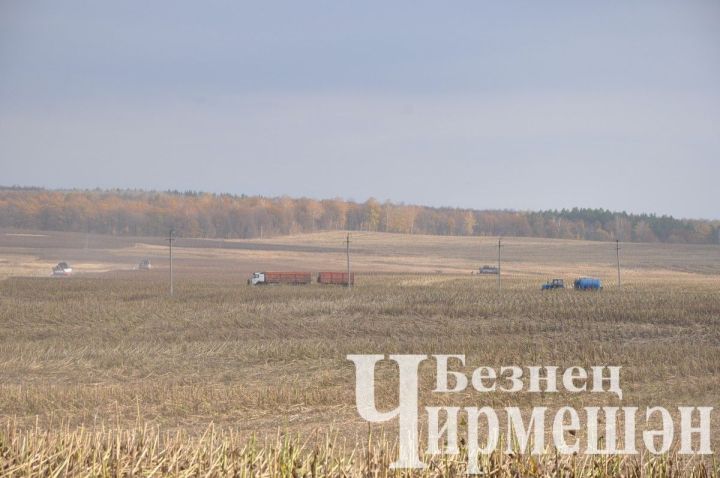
198 214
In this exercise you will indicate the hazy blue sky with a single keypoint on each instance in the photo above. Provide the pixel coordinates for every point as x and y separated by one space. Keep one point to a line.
526 105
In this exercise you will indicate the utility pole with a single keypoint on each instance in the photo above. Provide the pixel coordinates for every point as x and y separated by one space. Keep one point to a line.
347 252
170 241
617 253
498 271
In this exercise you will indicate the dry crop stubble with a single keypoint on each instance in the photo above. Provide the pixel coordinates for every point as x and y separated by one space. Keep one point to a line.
112 355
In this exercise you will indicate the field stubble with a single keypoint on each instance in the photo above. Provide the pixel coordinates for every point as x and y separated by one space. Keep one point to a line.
111 360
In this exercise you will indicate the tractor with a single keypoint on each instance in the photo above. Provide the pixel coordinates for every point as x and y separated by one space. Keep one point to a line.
553 284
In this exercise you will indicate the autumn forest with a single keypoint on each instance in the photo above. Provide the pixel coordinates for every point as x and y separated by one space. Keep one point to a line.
196 214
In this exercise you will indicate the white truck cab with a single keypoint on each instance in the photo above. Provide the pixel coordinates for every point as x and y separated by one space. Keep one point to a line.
257 278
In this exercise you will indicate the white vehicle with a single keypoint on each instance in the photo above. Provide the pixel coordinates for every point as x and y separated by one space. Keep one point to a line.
62 269
257 278
145 265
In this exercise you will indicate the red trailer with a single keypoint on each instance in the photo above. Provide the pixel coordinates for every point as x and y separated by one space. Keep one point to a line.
280 278
340 278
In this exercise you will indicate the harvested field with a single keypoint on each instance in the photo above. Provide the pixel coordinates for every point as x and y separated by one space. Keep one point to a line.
107 351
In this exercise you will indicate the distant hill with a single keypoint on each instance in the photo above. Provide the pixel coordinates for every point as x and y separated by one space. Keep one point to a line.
196 214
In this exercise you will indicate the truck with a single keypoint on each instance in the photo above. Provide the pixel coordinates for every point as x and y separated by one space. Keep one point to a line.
587 283
264 278
553 284
62 269
145 265
491 270
339 278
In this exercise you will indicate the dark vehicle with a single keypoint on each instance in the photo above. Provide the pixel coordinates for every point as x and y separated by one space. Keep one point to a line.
488 270
62 270
554 284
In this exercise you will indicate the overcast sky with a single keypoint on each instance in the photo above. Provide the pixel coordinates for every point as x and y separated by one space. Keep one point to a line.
523 105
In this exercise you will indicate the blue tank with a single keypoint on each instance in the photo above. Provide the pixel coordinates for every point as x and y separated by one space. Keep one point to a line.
588 283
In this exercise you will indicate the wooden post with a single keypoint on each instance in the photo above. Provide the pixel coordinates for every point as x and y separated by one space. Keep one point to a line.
617 253
347 252
170 241
498 271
